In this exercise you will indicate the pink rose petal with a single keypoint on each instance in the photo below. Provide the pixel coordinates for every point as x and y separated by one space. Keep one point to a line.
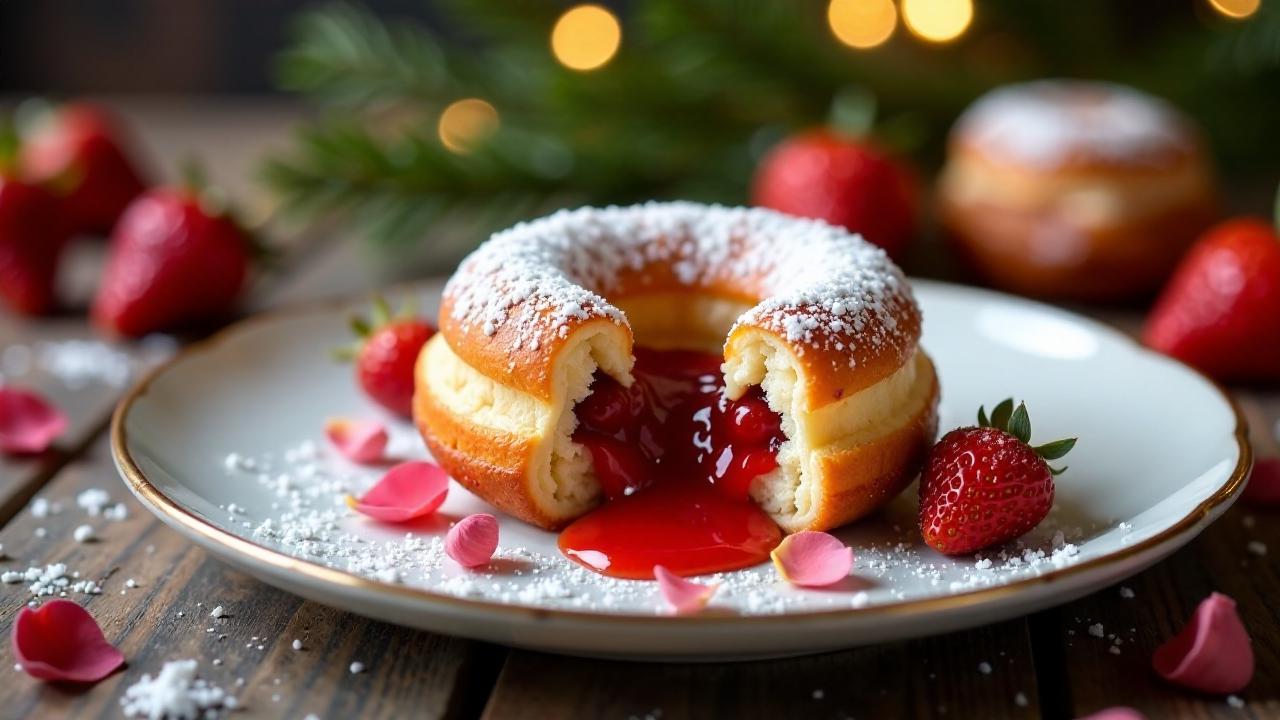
1264 484
1116 713
1212 653
360 441
472 540
59 640
684 597
408 491
28 423
812 559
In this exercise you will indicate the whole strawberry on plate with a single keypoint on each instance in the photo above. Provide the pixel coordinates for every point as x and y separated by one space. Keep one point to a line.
986 485
32 237
385 355
175 260
79 148
1220 311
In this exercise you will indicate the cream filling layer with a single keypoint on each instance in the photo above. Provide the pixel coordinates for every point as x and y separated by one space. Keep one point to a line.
791 494
560 475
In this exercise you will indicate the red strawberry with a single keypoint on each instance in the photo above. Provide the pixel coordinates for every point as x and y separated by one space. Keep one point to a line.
986 485
821 174
386 355
79 147
1221 310
172 263
31 240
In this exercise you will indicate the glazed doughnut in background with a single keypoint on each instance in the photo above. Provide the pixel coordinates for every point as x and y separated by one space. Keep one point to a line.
822 320
1074 190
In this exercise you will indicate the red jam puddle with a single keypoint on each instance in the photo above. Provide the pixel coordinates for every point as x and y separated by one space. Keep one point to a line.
675 460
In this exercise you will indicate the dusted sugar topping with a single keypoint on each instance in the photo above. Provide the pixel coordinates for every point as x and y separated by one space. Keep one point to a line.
825 288
1052 122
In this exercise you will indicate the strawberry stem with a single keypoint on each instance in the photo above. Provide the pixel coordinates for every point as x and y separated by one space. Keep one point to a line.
853 112
381 311
194 177
1017 422
9 142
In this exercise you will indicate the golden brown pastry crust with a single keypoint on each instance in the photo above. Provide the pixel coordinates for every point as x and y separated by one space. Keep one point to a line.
1089 213
848 320
858 480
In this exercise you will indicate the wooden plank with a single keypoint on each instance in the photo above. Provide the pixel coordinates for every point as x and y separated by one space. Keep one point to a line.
66 360
937 677
1164 597
409 673
77 371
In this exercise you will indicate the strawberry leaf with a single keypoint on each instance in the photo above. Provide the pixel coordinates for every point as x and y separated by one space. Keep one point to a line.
360 326
982 417
1000 415
1020 423
1055 449
1057 471
381 311
344 354
8 144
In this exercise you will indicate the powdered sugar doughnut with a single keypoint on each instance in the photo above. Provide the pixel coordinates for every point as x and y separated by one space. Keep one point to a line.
822 320
1075 189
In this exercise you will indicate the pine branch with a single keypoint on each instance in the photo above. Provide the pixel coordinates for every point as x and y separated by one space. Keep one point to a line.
699 90
346 56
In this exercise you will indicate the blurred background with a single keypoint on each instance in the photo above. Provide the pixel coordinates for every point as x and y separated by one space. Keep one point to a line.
422 125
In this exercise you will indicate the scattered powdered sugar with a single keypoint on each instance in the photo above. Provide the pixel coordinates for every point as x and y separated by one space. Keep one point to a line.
43 508
1049 122
93 500
176 693
79 363
292 500
825 287
52 579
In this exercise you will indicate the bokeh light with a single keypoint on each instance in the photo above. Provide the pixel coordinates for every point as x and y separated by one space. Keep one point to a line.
1237 9
862 24
465 122
937 20
586 37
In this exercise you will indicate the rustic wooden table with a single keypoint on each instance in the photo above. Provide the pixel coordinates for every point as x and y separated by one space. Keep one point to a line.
1042 665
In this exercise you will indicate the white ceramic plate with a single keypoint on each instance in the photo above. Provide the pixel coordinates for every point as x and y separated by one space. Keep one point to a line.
225 445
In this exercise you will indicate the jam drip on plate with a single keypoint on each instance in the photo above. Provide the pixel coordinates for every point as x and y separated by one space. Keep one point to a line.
675 460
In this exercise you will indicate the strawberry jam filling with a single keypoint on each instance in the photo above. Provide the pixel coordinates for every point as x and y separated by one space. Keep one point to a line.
675 459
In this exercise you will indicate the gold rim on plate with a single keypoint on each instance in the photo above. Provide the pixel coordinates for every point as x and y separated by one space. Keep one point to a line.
177 515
